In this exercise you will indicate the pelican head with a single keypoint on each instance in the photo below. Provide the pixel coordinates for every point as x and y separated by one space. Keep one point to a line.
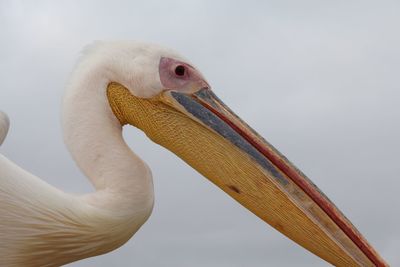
163 94
160 92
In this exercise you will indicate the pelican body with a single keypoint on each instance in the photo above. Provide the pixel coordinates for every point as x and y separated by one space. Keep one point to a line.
160 92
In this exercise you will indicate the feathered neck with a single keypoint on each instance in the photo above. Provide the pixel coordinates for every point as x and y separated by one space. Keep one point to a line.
93 136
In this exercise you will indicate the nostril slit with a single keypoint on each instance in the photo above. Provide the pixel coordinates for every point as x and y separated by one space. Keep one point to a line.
180 70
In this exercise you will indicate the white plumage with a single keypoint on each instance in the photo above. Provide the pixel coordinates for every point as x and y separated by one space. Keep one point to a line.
4 125
43 226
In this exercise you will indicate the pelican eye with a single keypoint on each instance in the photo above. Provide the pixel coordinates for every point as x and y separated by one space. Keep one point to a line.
180 70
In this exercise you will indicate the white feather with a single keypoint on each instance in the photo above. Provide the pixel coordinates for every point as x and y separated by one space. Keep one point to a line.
4 125
43 226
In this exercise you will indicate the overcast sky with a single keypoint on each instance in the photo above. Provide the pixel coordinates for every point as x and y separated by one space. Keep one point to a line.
318 79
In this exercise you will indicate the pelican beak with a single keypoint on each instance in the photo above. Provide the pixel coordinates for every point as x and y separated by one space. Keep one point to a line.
205 133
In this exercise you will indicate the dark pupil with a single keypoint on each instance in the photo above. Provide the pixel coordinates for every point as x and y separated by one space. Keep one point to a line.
180 70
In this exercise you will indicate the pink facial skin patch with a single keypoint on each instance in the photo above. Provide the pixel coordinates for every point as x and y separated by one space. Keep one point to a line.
180 76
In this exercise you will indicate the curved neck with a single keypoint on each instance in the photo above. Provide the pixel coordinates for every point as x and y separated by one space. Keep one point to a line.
93 136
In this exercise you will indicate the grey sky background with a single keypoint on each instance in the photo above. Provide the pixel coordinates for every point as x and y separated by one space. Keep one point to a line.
318 79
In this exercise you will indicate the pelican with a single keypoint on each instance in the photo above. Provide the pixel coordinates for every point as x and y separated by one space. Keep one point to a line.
160 92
